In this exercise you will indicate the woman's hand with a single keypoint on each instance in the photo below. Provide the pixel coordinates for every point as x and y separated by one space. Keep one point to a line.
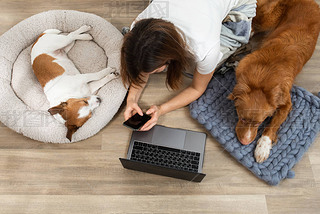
131 109
132 100
155 112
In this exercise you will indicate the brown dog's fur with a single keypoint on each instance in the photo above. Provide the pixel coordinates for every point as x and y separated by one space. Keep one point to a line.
46 69
265 77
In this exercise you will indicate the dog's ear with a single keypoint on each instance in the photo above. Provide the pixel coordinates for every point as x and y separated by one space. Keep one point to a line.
276 96
57 109
71 130
238 90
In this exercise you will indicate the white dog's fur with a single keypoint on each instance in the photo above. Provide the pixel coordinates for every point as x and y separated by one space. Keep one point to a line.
263 149
70 84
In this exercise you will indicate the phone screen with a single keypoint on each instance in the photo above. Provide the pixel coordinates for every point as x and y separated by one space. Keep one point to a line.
136 121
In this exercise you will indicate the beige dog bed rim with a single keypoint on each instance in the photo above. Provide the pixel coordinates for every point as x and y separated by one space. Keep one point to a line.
18 116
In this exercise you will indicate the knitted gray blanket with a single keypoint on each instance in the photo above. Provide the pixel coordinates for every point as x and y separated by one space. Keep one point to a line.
296 134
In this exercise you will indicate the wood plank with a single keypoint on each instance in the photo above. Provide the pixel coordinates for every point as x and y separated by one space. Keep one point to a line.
12 140
315 162
307 203
99 172
119 13
133 204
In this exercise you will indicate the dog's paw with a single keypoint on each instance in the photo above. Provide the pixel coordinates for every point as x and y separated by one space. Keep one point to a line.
115 73
106 72
263 148
111 70
85 28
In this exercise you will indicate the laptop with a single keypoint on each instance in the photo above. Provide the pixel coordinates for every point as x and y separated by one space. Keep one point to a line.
167 151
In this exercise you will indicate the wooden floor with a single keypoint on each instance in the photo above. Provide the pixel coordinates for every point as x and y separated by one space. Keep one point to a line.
87 177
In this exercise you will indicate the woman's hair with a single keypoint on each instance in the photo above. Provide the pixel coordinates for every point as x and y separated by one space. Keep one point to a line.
151 44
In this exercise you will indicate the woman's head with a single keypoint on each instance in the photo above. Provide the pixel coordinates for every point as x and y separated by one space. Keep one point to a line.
152 46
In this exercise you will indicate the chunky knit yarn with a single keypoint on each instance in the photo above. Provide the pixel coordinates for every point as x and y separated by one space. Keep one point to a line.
296 134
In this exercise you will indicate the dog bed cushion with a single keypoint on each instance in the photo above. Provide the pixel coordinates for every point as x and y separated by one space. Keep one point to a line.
296 134
22 101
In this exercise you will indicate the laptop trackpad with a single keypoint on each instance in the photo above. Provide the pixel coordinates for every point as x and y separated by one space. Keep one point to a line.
169 137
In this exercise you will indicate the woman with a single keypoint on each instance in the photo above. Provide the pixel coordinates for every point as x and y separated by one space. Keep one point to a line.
172 35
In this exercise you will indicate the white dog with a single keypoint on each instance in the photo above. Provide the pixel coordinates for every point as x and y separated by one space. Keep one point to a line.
69 93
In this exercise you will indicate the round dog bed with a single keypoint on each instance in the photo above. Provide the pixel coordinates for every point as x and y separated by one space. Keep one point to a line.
22 102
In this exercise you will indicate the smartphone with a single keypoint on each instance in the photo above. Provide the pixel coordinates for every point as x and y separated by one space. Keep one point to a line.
136 121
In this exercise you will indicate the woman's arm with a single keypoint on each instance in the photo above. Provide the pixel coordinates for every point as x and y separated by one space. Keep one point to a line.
133 97
188 95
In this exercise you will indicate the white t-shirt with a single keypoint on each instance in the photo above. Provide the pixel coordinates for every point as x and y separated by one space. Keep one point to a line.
199 20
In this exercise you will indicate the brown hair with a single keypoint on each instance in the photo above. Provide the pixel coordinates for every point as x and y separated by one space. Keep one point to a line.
151 44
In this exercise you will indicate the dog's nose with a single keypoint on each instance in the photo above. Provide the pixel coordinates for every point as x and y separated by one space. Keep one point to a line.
245 141
99 99
247 138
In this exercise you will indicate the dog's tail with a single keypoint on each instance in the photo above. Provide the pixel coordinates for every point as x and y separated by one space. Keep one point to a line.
52 31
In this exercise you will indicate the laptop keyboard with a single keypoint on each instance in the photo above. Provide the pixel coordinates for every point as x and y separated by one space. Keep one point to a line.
165 156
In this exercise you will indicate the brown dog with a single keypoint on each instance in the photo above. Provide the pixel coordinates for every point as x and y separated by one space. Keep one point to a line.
265 77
